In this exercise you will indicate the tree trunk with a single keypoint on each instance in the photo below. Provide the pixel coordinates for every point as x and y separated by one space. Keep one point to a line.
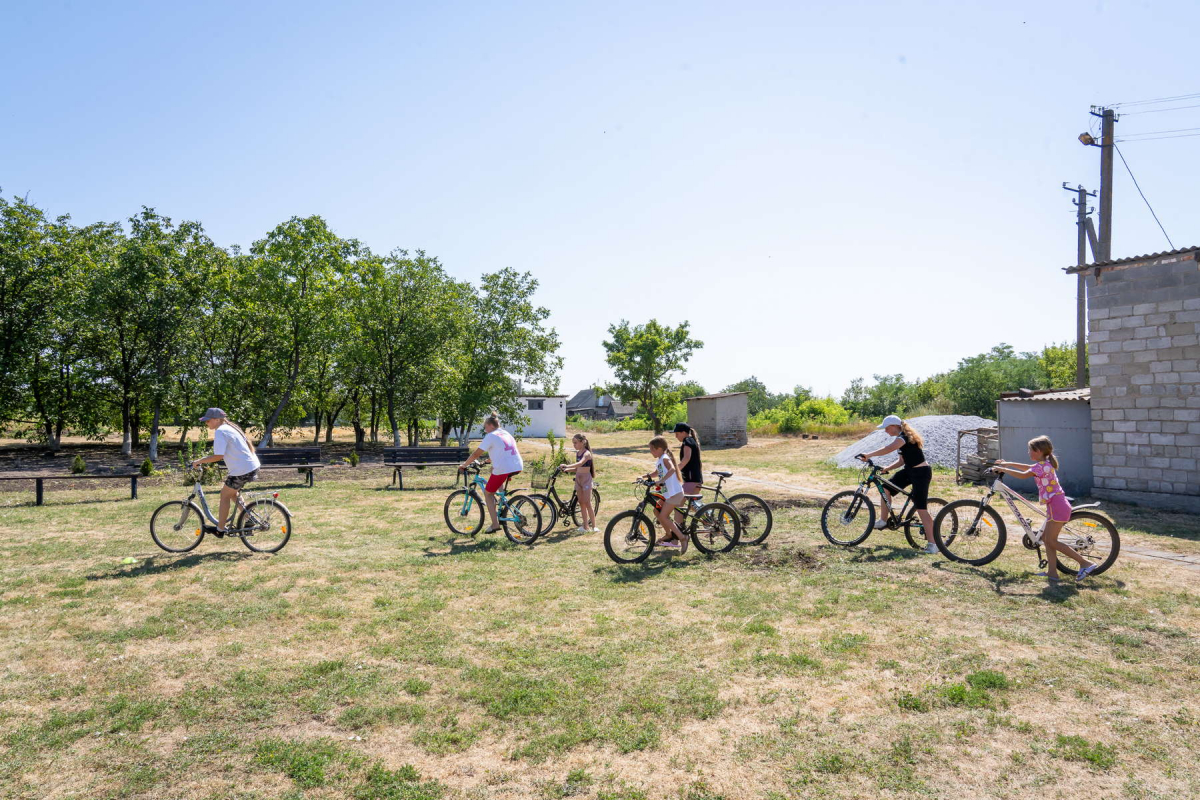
374 418
135 426
154 431
126 442
269 428
446 427
183 436
331 420
391 410
317 416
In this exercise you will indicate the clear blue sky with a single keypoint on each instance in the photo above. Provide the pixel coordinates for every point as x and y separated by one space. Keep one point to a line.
824 190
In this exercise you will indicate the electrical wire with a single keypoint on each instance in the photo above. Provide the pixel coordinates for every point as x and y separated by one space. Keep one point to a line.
1156 138
1155 100
1156 110
1143 194
1155 133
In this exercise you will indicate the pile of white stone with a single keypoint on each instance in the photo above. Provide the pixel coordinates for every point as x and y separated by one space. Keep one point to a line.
940 433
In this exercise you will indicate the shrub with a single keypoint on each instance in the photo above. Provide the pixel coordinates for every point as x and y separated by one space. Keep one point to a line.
353 458
78 467
147 468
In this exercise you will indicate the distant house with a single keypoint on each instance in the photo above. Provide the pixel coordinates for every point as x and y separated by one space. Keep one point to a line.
719 419
589 405
546 414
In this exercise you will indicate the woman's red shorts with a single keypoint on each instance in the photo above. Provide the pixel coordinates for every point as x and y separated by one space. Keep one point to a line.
496 481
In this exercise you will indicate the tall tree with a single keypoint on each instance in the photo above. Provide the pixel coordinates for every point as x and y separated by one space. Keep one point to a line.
644 359
304 264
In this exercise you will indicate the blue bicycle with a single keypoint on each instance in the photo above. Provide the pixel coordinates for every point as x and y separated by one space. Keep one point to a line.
519 516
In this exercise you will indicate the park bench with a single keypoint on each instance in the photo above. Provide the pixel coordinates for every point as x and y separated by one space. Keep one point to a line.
421 457
305 459
39 479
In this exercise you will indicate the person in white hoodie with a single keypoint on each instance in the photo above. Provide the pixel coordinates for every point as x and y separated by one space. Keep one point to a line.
233 446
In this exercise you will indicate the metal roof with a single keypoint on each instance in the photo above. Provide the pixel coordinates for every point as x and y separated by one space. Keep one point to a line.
1133 259
715 396
1049 394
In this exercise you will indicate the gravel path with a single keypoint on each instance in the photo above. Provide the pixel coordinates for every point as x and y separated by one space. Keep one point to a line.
939 432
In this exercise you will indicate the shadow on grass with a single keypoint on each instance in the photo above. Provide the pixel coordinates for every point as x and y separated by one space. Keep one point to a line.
885 552
466 547
650 568
1001 580
158 565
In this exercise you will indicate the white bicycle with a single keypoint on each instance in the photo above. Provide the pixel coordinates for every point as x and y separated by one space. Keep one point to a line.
972 531
264 524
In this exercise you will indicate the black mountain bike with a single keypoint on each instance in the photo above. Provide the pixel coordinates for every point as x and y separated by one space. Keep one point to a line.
630 535
753 512
849 517
554 508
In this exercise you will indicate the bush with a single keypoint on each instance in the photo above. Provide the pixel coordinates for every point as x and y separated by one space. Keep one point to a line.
78 467
353 459
147 468
800 415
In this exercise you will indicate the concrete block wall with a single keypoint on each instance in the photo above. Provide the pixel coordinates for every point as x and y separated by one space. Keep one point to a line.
1144 352
720 421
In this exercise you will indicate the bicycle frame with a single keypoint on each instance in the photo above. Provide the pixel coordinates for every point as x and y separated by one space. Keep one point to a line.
501 497
198 492
884 487
1011 497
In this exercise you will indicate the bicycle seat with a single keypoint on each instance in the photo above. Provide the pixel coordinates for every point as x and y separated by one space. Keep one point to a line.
697 494
722 474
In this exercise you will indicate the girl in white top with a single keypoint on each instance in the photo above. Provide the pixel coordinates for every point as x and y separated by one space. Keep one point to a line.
672 489
231 444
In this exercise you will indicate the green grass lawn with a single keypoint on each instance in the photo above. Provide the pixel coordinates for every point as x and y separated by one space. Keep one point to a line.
377 657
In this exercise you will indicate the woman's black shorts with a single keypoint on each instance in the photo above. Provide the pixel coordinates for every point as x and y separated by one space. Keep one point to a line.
238 482
917 477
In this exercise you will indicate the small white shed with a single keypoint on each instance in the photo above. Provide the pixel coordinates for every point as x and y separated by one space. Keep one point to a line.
719 419
1065 415
547 413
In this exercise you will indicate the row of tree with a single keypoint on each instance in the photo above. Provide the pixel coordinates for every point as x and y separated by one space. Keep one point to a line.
111 328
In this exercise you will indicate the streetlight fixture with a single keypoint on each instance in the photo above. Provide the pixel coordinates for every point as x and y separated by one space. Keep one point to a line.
1087 138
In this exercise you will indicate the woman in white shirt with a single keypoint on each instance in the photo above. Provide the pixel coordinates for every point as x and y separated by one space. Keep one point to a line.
667 476
231 444
500 446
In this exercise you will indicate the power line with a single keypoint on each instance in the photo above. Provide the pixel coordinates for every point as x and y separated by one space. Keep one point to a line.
1156 138
1155 133
1155 100
1143 194
1157 110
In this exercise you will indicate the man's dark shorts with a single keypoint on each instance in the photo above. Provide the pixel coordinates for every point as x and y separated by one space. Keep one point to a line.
237 482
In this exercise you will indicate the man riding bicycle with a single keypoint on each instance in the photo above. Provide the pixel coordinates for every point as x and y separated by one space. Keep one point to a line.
500 446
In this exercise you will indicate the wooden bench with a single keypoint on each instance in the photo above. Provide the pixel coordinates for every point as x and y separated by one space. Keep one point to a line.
421 457
305 459
133 479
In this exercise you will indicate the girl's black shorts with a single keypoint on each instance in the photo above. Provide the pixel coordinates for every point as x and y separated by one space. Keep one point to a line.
919 478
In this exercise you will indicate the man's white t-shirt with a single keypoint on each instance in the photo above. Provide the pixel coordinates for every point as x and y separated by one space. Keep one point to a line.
501 448
238 456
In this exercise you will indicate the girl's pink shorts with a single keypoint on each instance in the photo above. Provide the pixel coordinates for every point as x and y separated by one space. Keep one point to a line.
1059 508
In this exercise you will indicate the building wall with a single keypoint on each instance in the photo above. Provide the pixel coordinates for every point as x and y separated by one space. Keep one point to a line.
720 421
552 418
1144 324
1068 423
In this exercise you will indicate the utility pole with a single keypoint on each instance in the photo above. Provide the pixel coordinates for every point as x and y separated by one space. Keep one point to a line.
1082 224
1108 119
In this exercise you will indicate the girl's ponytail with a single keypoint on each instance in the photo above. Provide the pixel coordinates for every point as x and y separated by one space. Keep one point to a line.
234 425
911 435
692 433
1044 446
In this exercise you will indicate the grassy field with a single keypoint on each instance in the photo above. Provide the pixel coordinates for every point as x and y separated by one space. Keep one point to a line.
377 657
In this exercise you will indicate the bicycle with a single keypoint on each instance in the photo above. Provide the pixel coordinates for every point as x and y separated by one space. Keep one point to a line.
845 509
977 533
464 510
753 512
553 506
630 535
260 515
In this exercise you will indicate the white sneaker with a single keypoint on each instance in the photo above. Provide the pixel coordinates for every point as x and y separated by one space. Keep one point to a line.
931 548
880 524
581 529
595 530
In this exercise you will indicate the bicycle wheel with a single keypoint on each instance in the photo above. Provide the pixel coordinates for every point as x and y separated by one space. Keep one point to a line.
463 512
524 521
270 525
176 526
914 529
1093 536
970 532
549 513
755 517
848 518
715 528
577 514
629 537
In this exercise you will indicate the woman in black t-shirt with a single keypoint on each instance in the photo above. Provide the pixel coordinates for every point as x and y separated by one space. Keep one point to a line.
916 472
691 472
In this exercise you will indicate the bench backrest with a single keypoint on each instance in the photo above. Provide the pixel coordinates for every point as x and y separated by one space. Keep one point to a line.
286 456
425 455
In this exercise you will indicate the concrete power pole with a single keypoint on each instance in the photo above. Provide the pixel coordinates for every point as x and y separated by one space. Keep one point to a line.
1082 225
1108 120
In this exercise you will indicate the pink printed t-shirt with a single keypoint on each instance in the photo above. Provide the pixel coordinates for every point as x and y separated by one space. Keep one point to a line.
1047 481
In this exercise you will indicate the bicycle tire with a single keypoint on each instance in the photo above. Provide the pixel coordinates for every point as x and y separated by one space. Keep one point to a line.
1090 519
962 524
847 507
526 523
179 524
548 511
755 515
576 515
914 530
265 522
721 531
469 520
631 546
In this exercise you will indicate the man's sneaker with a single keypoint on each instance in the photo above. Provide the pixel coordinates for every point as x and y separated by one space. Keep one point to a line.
1083 573
931 548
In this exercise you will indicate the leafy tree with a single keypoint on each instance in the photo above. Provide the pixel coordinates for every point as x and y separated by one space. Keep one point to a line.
890 394
643 359
1057 362
760 398
976 383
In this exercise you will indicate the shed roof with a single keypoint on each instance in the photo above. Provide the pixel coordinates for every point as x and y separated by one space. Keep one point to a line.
1131 260
1084 394
715 396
